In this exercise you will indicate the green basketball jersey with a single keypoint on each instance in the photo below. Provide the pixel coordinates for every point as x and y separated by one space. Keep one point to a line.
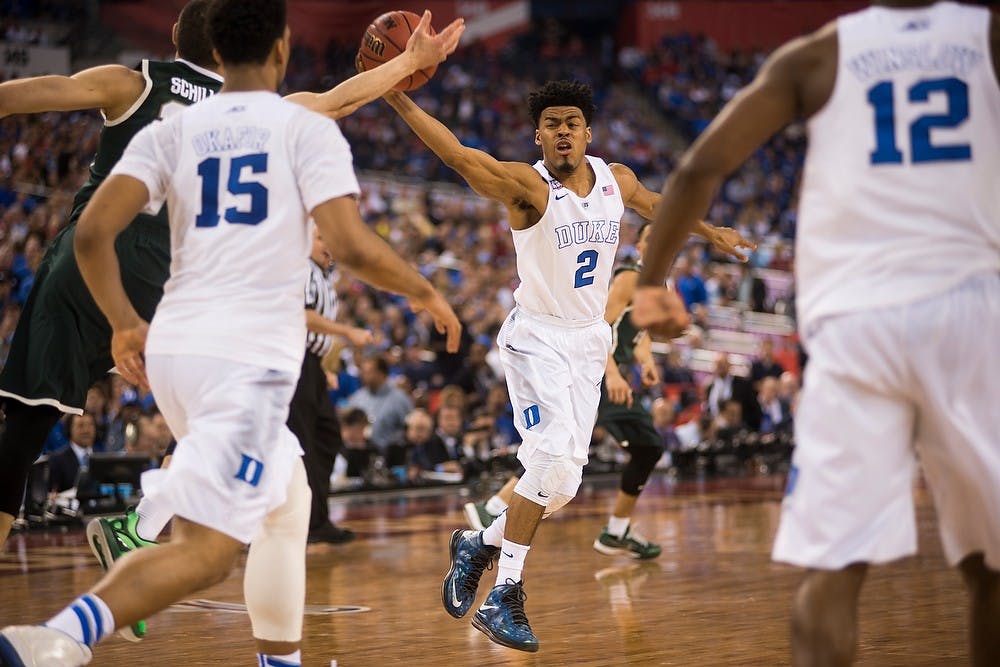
624 334
170 86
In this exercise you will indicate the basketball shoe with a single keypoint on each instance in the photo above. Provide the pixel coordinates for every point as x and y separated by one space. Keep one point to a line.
631 544
110 538
39 646
478 516
502 618
470 557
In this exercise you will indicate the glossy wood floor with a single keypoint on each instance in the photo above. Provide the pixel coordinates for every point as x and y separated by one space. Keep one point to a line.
712 598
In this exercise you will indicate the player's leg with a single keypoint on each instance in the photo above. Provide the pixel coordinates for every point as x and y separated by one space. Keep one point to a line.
849 498
274 583
481 515
957 441
27 427
633 429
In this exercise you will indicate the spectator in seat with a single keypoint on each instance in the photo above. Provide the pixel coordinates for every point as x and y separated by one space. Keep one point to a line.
724 386
420 451
355 460
765 365
689 284
776 415
663 421
66 464
385 404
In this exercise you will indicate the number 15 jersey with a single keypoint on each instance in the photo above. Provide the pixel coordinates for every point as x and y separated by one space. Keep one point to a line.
240 173
900 198
565 260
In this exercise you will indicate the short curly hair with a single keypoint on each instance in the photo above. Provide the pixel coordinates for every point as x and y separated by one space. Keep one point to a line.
244 31
562 94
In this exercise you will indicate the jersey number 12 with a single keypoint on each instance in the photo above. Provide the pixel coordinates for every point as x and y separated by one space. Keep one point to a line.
882 97
208 170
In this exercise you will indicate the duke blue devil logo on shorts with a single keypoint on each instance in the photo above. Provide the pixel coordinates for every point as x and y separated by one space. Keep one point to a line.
250 470
531 416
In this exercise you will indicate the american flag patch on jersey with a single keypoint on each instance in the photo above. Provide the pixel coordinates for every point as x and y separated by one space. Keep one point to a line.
608 190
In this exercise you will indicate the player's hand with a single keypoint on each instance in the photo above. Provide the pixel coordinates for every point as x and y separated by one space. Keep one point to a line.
445 319
332 381
359 337
618 390
427 49
127 347
650 374
660 311
727 240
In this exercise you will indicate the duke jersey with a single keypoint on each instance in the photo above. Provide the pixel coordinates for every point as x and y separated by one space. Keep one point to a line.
565 260
170 87
900 199
239 173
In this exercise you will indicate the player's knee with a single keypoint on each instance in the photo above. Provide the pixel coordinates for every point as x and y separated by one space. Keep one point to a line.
640 465
550 480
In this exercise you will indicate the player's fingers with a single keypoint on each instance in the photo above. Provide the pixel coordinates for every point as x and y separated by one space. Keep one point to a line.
454 335
425 22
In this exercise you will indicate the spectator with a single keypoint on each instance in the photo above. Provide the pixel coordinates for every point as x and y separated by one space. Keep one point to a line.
420 451
386 405
689 284
776 415
66 464
475 376
724 386
354 463
663 421
765 365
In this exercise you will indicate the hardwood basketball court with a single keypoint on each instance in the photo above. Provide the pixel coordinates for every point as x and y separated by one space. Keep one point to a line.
712 598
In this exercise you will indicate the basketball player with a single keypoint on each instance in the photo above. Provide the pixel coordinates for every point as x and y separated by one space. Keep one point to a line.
627 420
242 172
62 342
564 213
898 284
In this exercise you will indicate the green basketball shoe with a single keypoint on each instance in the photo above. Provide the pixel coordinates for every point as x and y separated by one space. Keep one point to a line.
110 538
631 544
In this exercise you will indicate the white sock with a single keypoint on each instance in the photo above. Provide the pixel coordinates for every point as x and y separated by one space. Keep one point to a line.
617 526
493 535
152 520
495 505
87 619
290 660
511 562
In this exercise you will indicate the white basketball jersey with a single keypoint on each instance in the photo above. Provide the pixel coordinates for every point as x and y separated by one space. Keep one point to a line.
901 197
240 173
565 260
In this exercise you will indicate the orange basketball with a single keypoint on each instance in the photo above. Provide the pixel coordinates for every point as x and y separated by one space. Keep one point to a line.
385 39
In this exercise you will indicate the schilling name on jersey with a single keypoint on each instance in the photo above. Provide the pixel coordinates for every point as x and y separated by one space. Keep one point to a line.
587 231
188 90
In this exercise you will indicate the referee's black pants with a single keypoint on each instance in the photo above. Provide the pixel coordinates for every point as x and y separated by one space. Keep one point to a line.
313 420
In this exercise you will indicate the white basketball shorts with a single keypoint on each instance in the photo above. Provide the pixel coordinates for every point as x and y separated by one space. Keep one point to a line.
882 388
554 370
234 456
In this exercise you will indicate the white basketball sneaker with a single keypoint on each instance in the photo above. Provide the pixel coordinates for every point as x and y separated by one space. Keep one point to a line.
39 646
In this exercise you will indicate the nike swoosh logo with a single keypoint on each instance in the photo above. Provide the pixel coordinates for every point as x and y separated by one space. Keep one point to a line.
488 606
508 555
454 596
565 194
542 495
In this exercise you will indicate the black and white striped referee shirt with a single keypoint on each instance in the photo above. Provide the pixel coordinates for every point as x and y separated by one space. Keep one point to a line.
320 297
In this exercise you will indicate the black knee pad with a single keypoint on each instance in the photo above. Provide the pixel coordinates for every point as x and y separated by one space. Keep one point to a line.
640 466
26 428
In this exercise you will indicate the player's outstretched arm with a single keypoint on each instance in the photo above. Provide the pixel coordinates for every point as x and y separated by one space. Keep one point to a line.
112 88
643 201
372 260
507 182
115 204
422 50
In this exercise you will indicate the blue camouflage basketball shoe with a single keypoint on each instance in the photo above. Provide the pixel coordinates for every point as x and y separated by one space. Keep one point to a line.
470 557
502 618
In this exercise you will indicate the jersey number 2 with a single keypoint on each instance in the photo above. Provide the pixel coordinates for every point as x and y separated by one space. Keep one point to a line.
209 169
881 97
588 262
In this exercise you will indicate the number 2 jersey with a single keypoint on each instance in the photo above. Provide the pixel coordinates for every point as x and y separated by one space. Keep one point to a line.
565 260
900 198
239 173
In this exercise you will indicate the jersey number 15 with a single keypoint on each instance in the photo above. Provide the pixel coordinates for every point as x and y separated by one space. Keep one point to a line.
209 169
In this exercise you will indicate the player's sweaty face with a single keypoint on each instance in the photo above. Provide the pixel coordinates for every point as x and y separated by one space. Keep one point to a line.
563 135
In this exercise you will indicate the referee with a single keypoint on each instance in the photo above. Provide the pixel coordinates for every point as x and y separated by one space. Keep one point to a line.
311 415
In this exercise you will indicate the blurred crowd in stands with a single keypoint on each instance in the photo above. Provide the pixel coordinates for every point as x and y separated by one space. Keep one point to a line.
412 413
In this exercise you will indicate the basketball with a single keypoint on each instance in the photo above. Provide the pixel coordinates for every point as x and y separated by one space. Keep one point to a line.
385 39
